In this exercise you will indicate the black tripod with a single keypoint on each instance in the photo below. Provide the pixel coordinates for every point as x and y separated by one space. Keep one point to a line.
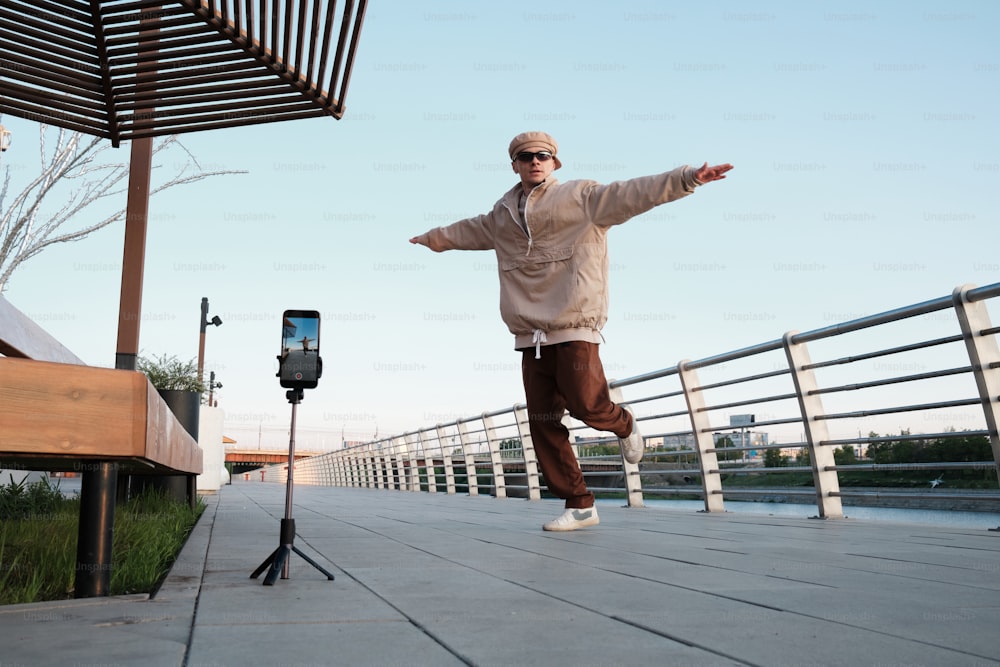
278 560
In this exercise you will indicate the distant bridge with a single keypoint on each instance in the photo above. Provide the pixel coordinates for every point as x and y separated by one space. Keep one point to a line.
242 460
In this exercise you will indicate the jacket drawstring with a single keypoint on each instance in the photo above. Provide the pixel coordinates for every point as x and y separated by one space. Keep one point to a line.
538 337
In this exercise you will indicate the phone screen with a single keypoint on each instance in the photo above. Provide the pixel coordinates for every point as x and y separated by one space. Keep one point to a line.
299 359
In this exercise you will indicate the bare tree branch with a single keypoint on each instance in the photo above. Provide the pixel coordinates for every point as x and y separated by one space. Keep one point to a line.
77 174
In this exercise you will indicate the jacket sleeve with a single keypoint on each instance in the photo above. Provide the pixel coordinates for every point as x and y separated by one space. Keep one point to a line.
614 203
468 234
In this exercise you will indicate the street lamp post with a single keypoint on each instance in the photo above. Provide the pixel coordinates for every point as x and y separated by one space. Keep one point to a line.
201 339
212 386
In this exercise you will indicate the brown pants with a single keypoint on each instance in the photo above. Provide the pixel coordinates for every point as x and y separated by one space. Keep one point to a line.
569 376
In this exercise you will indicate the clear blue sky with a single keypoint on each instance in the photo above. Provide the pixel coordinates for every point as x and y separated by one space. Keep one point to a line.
867 160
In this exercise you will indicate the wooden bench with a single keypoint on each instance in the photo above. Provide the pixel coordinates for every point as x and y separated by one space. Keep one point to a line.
59 415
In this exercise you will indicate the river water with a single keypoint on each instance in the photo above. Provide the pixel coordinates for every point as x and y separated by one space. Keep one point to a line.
974 520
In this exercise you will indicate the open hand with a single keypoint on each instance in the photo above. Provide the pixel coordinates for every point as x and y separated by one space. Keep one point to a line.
706 174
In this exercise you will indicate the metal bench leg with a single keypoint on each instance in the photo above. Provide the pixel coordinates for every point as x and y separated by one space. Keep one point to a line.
97 521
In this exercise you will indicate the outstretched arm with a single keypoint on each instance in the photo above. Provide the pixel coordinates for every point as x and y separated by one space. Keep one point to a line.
706 174
469 234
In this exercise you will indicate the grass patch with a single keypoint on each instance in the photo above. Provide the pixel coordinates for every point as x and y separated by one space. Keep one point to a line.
38 535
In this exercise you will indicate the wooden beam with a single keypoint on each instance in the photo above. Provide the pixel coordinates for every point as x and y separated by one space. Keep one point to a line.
66 414
21 337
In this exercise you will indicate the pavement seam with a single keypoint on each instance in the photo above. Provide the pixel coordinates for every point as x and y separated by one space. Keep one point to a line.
201 584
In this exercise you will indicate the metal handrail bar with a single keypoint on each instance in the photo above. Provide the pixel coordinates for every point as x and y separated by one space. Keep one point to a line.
984 292
670 452
748 378
897 494
750 491
895 380
924 465
748 448
645 377
760 348
672 434
675 491
746 471
901 437
663 415
905 408
749 401
768 422
903 313
654 397
957 338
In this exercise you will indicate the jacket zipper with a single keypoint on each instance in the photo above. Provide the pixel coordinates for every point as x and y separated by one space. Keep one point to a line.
525 228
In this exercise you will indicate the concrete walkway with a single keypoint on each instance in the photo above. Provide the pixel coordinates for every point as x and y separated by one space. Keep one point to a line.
449 580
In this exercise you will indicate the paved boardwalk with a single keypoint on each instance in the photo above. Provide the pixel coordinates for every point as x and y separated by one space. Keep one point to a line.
448 580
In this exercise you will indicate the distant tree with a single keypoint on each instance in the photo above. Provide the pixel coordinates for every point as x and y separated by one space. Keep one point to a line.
773 458
77 172
802 458
844 456
725 442
600 450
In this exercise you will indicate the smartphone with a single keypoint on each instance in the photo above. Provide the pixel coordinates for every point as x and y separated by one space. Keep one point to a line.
299 363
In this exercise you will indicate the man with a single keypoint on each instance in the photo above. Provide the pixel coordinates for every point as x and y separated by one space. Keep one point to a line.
552 259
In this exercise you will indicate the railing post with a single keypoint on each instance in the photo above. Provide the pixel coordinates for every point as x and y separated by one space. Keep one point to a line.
376 457
528 451
701 426
389 464
323 469
493 443
471 475
449 468
414 468
338 470
304 472
354 471
633 480
811 406
429 468
364 467
402 455
984 355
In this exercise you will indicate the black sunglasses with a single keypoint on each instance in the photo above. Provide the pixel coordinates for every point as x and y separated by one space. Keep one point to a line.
543 156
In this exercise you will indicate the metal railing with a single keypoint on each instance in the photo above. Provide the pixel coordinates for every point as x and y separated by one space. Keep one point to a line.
810 407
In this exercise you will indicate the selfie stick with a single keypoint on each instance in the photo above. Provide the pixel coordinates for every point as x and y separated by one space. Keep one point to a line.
278 560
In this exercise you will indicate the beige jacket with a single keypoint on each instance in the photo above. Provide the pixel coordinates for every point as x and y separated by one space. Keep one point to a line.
554 269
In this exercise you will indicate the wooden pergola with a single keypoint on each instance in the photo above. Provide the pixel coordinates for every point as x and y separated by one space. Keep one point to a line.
132 70
128 69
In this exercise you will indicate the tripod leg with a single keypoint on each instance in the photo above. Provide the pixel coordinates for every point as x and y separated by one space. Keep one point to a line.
277 565
312 562
267 561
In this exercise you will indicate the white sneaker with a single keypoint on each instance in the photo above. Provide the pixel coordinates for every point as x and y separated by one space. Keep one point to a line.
633 446
573 518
